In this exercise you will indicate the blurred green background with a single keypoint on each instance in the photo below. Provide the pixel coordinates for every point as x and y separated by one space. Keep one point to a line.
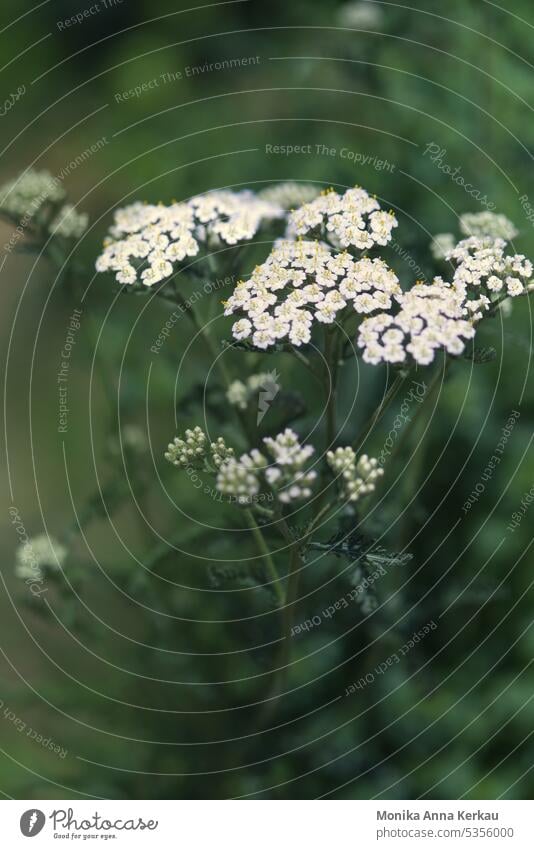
147 681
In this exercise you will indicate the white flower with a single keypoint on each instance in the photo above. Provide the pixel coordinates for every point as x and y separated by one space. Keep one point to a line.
487 223
353 219
483 269
69 223
302 282
245 477
289 195
194 451
30 191
146 233
430 317
233 217
357 478
239 393
360 15
441 245
239 478
37 554
154 237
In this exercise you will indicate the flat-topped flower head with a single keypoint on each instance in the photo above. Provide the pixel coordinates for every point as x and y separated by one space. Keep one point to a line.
38 554
441 245
148 240
232 217
289 195
69 223
487 223
430 317
353 220
240 393
357 477
282 468
29 192
305 282
484 271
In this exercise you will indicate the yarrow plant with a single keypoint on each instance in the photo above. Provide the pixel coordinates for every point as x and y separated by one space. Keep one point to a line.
148 241
35 202
315 289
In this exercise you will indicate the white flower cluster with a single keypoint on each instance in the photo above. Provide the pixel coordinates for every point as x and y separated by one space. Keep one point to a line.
37 554
358 478
353 219
69 223
284 472
156 236
430 317
194 450
131 439
441 245
28 192
289 195
239 393
302 282
483 269
232 217
487 223
360 15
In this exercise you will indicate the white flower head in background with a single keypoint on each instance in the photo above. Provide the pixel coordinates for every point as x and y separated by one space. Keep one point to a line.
305 282
232 217
37 555
360 14
264 385
238 394
29 192
487 223
146 240
357 477
69 223
441 245
431 317
282 468
353 219
289 195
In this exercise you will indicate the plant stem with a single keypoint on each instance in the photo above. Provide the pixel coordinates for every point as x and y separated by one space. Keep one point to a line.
330 384
380 410
290 603
284 653
266 555
440 373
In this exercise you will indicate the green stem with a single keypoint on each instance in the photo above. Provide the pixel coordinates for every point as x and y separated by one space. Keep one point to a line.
330 385
439 374
380 410
266 555
284 653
